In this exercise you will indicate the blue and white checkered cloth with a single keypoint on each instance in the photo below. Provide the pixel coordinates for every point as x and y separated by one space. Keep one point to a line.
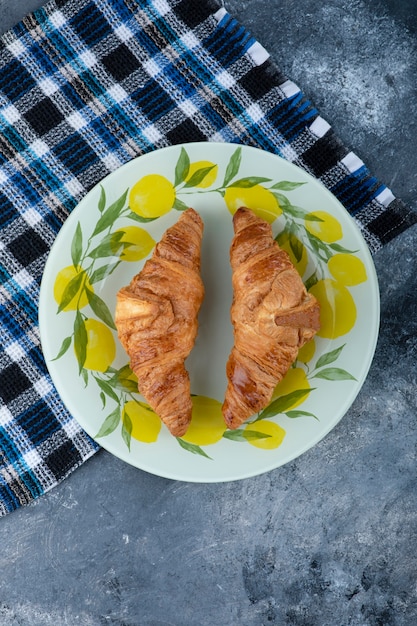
86 85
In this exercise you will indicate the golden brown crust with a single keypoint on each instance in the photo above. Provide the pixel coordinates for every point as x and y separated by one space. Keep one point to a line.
156 319
273 316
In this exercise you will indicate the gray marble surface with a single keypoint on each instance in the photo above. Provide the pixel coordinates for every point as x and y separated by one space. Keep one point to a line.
327 540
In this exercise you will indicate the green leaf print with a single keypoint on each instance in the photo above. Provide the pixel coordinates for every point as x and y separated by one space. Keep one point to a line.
110 423
193 448
249 181
103 271
296 246
110 215
109 245
138 218
310 217
80 340
182 167
334 373
64 347
100 308
295 414
71 290
102 200
123 380
286 185
198 176
283 403
126 429
107 389
338 248
233 166
84 376
329 357
179 205
77 246
244 435
293 211
312 280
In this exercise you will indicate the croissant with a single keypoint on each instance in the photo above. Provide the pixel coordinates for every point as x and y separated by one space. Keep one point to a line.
156 320
272 314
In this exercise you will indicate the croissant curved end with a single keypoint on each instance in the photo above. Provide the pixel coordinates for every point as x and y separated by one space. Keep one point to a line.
273 317
156 319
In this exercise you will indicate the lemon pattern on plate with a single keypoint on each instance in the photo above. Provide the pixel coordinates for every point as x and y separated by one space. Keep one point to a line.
314 241
295 380
201 174
207 424
145 425
152 196
137 243
347 269
337 308
274 435
70 288
295 249
258 198
324 226
100 347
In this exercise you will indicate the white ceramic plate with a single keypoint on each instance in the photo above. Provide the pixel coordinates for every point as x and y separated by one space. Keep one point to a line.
207 176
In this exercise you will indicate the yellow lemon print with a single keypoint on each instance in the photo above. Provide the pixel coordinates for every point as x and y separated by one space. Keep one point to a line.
101 347
337 308
328 229
262 202
146 424
152 196
63 278
275 432
306 353
293 380
142 243
348 269
207 424
284 240
209 178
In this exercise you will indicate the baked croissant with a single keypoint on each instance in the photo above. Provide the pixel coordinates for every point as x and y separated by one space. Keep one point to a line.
156 320
272 314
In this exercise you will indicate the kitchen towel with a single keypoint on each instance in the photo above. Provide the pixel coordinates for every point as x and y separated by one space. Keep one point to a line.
87 85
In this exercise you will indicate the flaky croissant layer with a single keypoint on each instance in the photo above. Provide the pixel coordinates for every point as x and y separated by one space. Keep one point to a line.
272 314
156 320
